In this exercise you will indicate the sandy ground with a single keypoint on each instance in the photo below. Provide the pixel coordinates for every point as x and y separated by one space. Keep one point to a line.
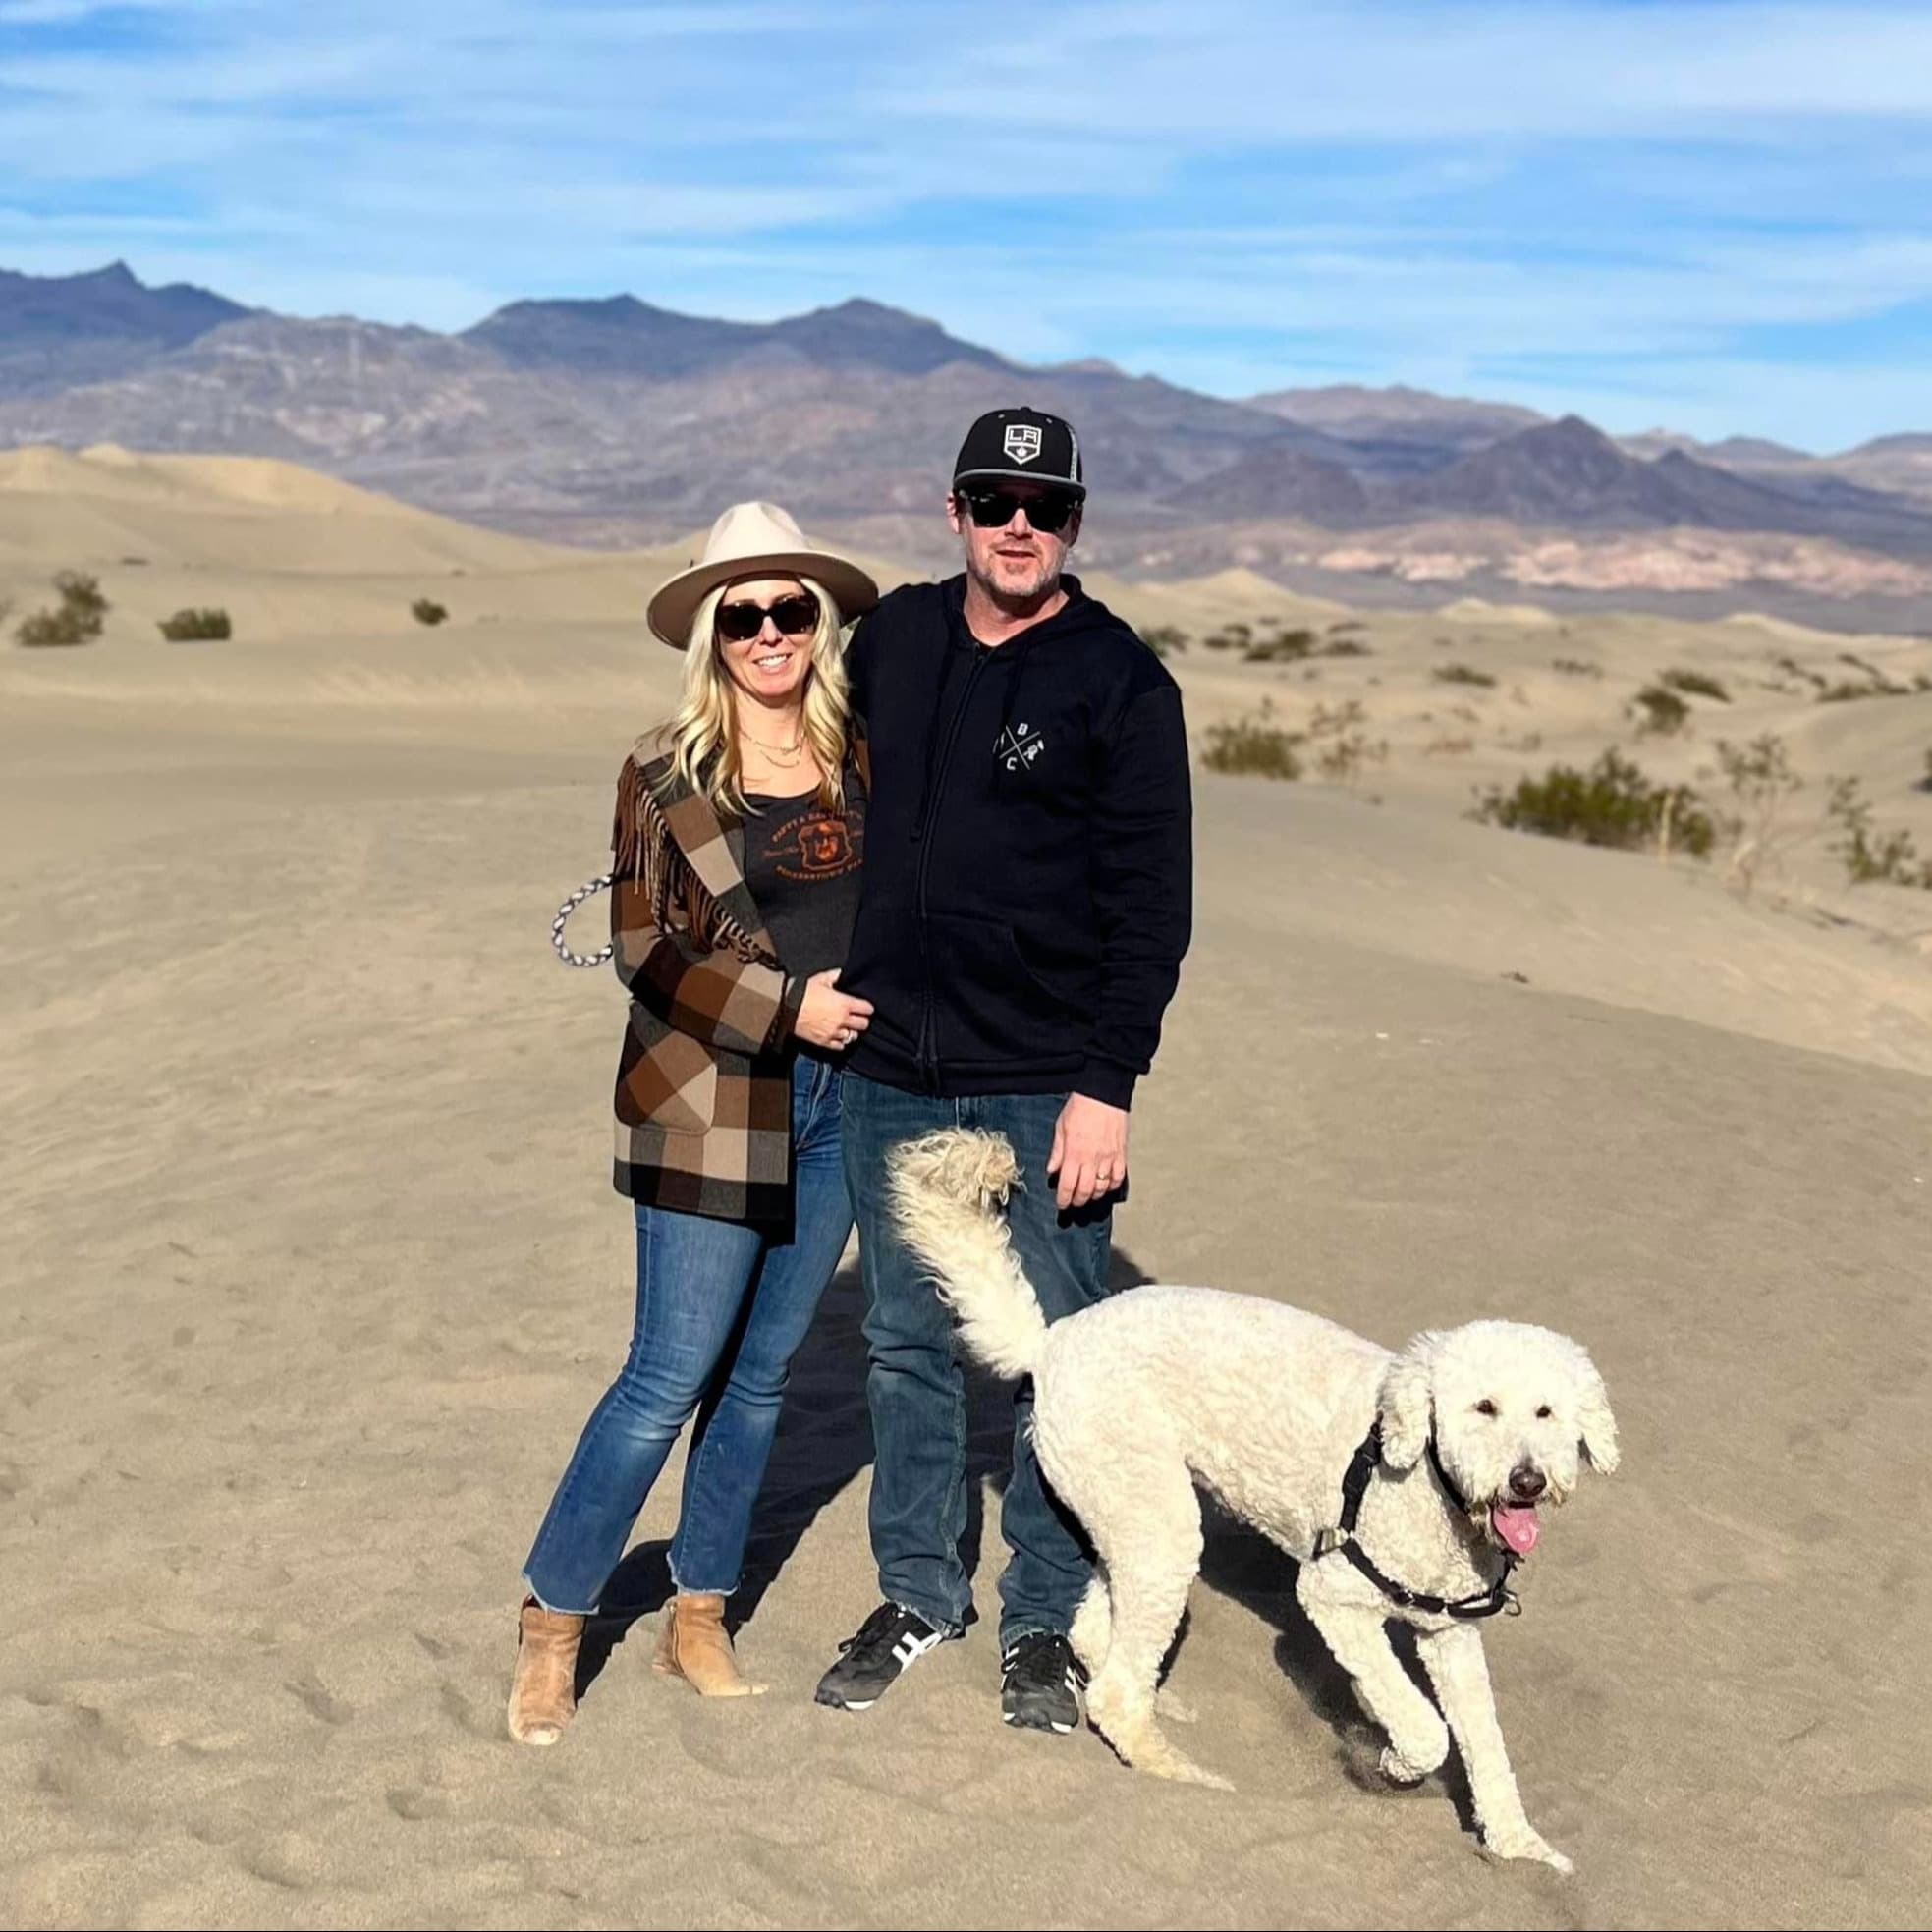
314 1273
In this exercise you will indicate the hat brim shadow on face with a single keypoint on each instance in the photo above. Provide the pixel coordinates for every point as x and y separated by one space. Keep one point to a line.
675 602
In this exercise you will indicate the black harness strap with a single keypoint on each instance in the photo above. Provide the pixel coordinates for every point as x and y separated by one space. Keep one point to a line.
1495 1600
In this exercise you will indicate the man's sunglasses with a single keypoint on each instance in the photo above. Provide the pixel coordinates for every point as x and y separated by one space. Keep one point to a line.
993 510
795 616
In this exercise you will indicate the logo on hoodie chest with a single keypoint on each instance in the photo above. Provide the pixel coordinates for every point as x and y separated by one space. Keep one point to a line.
1019 744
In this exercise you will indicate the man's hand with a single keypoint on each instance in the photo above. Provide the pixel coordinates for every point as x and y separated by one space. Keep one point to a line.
1090 1151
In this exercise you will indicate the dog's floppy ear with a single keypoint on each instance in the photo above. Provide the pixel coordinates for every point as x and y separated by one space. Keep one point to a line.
1594 1421
1405 1405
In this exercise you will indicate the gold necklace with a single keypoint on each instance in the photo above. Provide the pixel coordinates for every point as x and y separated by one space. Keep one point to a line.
794 751
780 755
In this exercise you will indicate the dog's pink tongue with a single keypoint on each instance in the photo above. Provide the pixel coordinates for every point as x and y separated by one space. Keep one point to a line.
1517 1526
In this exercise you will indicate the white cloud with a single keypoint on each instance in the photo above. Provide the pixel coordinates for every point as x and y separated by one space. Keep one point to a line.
1613 197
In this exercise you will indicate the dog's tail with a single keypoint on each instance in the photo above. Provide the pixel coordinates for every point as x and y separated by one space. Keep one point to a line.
942 1187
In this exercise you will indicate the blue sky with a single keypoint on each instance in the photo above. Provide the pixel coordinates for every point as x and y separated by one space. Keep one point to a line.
1715 214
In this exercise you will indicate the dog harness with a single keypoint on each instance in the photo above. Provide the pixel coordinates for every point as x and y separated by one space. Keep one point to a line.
1497 1599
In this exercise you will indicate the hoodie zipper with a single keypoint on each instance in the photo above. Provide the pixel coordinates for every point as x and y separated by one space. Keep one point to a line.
928 1043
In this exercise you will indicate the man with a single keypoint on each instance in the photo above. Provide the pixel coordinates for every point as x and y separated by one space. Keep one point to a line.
1025 906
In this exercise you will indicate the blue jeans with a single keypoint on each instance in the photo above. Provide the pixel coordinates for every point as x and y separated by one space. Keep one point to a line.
721 1310
914 1386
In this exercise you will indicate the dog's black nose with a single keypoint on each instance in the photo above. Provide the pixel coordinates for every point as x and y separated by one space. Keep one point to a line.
1525 1483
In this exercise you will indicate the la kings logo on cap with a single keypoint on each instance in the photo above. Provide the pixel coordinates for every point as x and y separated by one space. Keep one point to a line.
1023 441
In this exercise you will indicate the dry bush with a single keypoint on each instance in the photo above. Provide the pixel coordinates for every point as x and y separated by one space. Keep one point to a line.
1254 748
1695 683
1659 712
1612 803
193 627
75 620
1759 831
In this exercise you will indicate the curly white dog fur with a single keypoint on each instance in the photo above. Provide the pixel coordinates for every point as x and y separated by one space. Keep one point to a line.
1141 1398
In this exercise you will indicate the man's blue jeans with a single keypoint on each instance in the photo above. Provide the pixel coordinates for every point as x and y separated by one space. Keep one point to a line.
721 1310
914 1384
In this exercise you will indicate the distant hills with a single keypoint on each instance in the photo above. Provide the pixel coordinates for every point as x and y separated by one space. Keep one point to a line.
614 420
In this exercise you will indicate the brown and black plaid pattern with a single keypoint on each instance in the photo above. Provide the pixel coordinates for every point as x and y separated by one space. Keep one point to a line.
704 1081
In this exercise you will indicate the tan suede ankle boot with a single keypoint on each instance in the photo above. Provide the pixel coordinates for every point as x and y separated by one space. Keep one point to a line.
696 1648
543 1693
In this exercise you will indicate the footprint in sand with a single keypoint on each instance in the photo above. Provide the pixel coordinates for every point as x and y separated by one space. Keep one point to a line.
464 1714
317 1701
418 1802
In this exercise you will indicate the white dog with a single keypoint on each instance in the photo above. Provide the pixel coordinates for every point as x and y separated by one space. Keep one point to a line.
1404 1486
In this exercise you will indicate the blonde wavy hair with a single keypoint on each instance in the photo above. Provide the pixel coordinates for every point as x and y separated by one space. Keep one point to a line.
702 736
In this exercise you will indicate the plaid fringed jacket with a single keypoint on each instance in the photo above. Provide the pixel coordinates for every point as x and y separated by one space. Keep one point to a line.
704 1081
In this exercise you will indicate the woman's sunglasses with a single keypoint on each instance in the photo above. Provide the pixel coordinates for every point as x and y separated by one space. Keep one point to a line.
993 510
795 616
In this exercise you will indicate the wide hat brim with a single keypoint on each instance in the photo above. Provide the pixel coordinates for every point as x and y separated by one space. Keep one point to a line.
675 602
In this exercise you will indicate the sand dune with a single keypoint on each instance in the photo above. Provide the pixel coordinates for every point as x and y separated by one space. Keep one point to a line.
314 1272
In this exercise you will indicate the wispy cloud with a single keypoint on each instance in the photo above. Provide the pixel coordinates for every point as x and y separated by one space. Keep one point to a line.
1713 211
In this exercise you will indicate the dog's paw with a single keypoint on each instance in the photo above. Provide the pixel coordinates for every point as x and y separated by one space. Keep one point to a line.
1529 1847
1398 1770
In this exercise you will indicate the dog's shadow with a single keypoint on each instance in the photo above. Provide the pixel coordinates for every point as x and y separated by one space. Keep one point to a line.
1241 1563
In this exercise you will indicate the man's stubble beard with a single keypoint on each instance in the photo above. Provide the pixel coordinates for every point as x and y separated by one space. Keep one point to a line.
1042 586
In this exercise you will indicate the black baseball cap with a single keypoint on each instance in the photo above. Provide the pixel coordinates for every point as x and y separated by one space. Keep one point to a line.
1021 446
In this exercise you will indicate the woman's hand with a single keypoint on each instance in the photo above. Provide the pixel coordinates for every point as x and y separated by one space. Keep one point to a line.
828 1017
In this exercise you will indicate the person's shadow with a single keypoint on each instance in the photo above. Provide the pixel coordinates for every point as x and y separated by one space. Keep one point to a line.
824 1442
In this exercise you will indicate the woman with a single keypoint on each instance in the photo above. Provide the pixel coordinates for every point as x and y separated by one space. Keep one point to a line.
736 884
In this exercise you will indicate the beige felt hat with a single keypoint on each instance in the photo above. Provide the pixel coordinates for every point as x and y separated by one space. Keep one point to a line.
754 539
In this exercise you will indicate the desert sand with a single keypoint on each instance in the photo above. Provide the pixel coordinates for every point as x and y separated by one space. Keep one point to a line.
314 1272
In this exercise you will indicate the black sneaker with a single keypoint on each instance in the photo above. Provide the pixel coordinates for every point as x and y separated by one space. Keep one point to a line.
889 1643
1040 1684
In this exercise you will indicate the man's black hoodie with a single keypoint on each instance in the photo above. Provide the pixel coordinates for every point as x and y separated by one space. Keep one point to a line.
1028 866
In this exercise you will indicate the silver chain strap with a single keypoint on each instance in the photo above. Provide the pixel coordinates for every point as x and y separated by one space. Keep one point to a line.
589 889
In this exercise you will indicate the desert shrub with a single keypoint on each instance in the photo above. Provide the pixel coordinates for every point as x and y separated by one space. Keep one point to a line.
426 610
1612 803
188 626
1870 856
1445 746
1661 712
1464 674
1164 639
1576 667
1254 748
1762 783
77 619
1849 690
1341 748
1697 684
1281 647
1792 668
1925 783
1344 647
